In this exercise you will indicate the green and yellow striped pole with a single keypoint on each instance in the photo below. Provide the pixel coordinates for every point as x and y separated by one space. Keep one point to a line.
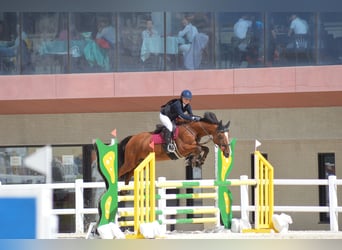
225 198
107 160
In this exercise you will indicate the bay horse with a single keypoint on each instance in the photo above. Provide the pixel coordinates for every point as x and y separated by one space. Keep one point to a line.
135 148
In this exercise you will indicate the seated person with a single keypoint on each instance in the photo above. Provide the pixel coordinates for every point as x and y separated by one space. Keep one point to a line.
148 47
149 31
106 32
97 52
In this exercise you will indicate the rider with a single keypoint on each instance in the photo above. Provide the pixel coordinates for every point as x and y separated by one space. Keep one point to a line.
173 109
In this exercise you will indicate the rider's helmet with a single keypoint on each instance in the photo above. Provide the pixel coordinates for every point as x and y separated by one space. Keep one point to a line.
186 94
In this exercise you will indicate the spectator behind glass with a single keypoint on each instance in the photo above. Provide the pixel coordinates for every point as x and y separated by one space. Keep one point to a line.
298 26
105 32
12 50
241 27
149 31
188 34
242 30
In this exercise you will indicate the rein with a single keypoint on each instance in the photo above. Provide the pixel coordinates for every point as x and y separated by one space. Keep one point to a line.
194 133
210 137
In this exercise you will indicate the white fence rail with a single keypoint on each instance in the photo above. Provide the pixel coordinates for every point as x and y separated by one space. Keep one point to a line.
79 211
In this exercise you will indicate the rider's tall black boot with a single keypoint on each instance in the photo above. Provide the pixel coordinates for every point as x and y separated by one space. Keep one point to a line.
168 140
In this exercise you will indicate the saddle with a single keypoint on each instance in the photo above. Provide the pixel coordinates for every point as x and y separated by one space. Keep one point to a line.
157 136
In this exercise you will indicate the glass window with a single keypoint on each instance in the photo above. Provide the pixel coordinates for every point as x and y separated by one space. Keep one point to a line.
9 43
12 168
91 42
326 167
240 40
91 39
71 42
189 40
66 165
153 42
46 54
329 38
131 26
291 38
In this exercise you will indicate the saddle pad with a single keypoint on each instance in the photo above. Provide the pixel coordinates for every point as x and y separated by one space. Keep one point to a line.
158 138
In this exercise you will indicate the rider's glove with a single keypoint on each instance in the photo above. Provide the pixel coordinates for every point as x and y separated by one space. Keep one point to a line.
196 118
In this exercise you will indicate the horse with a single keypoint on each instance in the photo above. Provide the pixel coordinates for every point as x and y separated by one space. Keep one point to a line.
135 148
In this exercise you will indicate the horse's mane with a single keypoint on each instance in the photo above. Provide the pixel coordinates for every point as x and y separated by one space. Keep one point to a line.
210 117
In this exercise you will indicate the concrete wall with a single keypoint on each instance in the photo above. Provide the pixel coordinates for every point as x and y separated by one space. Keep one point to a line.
292 138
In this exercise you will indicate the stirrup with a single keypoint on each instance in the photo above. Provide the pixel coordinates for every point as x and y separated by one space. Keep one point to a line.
171 148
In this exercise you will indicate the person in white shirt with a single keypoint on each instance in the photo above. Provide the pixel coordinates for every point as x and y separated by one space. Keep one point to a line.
188 34
149 31
149 48
241 38
298 26
241 27
298 33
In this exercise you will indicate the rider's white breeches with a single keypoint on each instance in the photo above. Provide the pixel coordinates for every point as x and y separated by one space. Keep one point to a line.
166 121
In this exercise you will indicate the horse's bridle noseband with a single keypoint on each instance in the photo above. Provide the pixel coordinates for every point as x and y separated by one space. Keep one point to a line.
211 138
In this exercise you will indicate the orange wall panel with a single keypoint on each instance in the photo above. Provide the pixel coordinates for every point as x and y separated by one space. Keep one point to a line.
323 78
27 87
143 84
205 82
85 85
145 91
264 80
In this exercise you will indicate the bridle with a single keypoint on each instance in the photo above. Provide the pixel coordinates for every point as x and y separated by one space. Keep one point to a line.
211 138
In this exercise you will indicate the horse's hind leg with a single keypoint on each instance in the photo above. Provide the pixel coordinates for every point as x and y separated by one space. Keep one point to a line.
124 170
128 177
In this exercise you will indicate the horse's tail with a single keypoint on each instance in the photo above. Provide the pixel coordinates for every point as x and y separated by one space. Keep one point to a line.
121 150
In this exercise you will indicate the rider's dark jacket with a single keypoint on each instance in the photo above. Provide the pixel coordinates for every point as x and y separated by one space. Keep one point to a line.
175 108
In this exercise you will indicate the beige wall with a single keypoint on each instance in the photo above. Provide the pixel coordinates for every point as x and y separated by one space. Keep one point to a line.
291 138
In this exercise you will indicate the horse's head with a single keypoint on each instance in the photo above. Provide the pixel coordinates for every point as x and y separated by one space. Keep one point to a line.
218 132
221 138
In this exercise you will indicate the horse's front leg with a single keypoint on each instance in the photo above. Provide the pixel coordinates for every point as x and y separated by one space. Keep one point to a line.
205 151
199 160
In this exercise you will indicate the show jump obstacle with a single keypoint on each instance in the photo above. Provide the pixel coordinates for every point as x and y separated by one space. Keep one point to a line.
145 197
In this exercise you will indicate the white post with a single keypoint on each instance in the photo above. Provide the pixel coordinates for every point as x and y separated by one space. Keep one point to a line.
244 199
162 203
218 213
216 161
256 191
79 206
333 203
